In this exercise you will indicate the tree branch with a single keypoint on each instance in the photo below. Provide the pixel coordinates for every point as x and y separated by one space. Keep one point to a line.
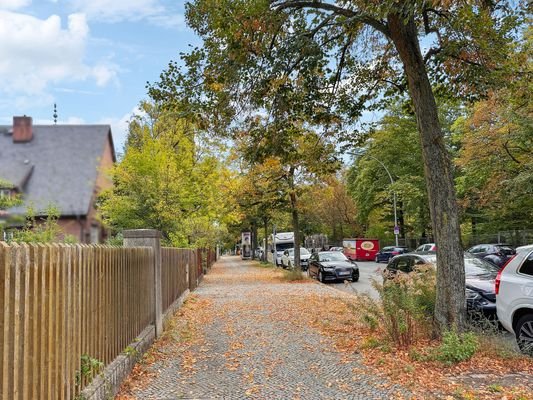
505 146
350 14
432 52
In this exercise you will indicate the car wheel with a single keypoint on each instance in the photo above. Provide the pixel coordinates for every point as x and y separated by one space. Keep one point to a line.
355 277
524 334
320 277
377 259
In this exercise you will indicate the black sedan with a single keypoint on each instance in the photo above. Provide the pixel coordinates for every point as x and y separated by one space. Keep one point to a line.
386 253
332 266
479 276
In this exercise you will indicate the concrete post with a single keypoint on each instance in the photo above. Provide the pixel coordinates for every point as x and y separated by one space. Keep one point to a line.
150 238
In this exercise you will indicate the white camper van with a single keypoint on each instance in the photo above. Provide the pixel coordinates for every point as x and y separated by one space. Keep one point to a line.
282 242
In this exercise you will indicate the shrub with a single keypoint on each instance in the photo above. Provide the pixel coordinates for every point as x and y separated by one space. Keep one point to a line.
456 347
404 310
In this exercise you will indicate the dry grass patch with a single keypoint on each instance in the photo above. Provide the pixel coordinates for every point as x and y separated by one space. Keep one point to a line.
428 366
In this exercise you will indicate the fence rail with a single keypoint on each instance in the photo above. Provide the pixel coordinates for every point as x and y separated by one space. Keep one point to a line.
68 310
175 272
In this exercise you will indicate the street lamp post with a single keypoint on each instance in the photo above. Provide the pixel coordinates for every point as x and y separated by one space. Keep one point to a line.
396 227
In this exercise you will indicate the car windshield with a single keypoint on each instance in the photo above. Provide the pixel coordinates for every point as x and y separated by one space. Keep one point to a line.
388 248
508 251
478 267
283 246
332 256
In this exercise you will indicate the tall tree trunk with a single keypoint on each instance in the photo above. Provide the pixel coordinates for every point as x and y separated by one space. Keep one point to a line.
265 222
254 239
401 220
450 304
296 230
295 220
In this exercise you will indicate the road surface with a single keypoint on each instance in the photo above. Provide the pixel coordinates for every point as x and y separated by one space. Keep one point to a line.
368 271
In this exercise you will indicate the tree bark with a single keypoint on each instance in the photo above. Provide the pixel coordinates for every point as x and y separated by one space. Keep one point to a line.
450 304
295 220
254 239
265 222
296 230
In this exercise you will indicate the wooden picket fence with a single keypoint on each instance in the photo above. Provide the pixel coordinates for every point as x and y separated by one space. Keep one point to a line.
69 310
177 268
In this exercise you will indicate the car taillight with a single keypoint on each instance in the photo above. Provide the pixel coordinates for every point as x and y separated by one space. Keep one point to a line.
499 276
395 253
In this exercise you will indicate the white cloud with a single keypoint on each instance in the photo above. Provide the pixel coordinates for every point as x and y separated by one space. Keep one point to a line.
13 4
112 11
172 21
36 52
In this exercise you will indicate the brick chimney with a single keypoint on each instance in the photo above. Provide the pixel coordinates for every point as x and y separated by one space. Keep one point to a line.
22 129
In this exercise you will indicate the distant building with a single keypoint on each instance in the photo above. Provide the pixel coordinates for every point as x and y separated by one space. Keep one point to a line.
60 165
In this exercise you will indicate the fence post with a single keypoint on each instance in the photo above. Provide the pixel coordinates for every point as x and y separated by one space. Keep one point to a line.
150 238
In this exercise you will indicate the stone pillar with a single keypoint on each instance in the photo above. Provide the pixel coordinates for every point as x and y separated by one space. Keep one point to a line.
150 238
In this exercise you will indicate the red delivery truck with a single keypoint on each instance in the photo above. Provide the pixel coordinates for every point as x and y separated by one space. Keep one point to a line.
360 249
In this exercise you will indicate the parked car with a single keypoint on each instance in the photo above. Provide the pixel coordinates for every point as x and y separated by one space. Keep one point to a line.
480 276
287 259
332 266
514 298
336 249
386 253
495 253
428 247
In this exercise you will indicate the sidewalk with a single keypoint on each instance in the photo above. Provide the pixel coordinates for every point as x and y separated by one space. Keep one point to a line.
246 333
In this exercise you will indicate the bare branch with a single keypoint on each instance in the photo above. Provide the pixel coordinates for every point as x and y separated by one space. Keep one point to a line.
341 62
506 147
352 15
431 52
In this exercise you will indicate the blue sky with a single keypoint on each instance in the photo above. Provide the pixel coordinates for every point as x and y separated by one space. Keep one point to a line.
91 57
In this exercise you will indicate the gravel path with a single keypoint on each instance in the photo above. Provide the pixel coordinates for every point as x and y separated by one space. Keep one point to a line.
254 345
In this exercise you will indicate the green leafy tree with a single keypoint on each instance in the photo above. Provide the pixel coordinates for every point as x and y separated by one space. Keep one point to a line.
344 54
294 155
328 208
495 157
169 182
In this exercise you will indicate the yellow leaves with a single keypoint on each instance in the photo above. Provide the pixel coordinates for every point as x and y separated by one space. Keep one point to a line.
216 87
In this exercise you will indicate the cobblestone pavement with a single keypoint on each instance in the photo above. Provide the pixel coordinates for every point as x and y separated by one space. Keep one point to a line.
252 347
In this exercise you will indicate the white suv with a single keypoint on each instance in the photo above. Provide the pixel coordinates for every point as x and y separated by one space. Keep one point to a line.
514 298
